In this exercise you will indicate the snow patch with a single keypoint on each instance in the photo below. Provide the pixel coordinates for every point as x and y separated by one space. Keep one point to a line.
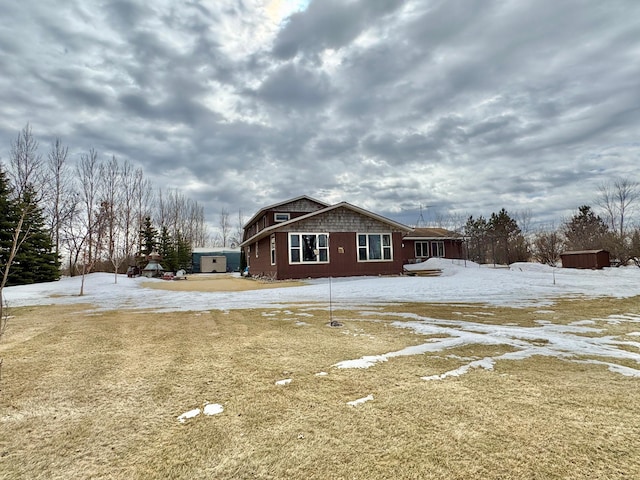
353 403
486 363
213 409
285 381
190 414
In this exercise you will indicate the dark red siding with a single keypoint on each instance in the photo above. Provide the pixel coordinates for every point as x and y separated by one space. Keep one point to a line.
260 264
343 259
452 249
586 259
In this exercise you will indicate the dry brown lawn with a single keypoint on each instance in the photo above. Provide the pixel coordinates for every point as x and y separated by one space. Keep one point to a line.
97 395
219 282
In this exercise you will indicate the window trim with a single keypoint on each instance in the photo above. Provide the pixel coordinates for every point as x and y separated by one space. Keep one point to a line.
367 248
285 217
273 249
423 243
299 248
439 246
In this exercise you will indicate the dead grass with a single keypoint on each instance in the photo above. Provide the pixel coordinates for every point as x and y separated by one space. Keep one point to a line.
219 282
98 396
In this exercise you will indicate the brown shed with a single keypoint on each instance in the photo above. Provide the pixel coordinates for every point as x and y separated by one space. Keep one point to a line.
585 259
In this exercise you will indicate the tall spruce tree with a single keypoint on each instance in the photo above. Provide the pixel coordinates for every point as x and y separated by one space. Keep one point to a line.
35 260
148 237
476 231
585 230
8 218
166 248
183 253
509 245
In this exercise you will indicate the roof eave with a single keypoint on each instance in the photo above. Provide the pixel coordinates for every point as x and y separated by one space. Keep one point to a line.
275 205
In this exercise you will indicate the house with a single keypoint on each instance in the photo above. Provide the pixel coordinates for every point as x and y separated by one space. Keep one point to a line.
595 259
306 238
423 243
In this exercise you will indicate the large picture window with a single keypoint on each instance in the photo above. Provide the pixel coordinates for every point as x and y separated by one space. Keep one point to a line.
374 247
308 247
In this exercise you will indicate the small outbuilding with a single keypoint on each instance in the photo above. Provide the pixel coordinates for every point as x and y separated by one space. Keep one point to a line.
215 260
593 259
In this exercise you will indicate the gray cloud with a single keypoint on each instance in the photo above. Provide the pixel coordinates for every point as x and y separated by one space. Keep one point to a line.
329 24
469 106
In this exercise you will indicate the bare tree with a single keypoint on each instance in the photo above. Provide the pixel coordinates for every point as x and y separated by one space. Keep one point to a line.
182 217
450 221
59 192
22 199
89 226
237 236
198 232
547 247
618 200
26 164
225 226
128 186
116 203
110 200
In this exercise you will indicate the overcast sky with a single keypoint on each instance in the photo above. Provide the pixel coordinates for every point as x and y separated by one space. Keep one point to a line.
466 106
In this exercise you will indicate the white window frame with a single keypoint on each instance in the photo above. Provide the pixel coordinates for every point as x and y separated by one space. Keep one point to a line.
437 249
360 248
281 217
423 244
273 249
318 250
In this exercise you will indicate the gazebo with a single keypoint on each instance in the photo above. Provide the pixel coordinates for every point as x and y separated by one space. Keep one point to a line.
153 268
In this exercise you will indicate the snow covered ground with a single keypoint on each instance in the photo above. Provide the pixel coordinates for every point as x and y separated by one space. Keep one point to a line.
521 284
461 282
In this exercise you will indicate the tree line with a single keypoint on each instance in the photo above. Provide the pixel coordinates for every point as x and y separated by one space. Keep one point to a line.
87 216
501 239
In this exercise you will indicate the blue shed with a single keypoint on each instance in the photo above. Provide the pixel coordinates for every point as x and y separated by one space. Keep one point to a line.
207 257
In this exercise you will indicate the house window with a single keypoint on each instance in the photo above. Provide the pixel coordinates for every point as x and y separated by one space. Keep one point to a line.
308 247
273 249
374 247
281 217
437 249
256 249
422 249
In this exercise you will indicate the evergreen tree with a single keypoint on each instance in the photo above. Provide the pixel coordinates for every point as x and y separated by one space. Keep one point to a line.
166 248
508 242
36 260
8 219
635 247
585 230
183 253
476 231
148 237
